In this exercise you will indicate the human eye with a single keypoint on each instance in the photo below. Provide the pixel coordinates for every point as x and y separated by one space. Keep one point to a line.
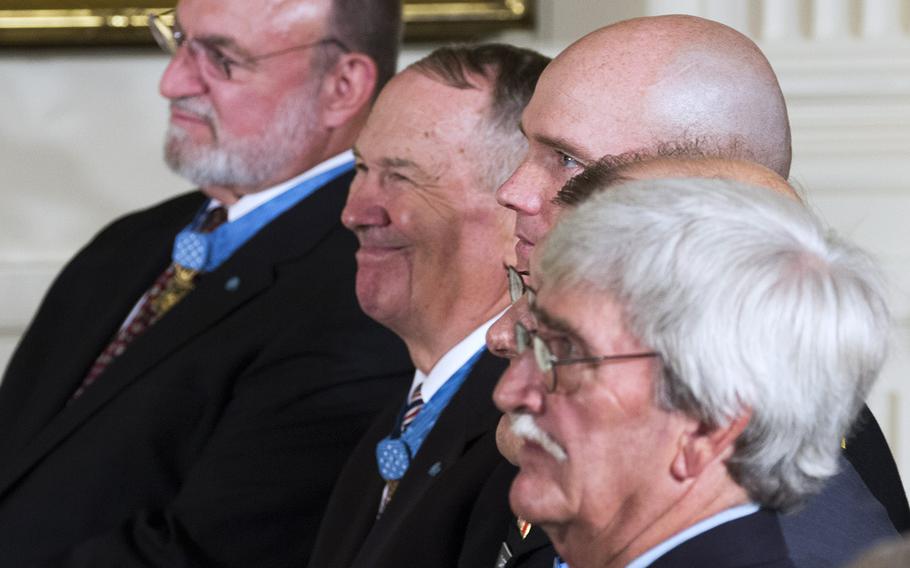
218 59
560 344
567 161
397 177
562 347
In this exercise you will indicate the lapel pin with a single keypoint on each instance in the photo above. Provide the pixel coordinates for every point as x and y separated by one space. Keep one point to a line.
232 284
435 469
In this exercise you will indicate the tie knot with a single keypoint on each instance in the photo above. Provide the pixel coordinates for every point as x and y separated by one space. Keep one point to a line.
416 396
214 218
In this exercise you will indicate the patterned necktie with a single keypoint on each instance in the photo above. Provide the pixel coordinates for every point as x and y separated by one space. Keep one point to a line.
167 290
415 403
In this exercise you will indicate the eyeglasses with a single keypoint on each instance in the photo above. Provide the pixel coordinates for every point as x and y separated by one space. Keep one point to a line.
517 286
555 352
212 61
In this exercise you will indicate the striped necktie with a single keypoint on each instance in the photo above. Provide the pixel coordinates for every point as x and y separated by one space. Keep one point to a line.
415 403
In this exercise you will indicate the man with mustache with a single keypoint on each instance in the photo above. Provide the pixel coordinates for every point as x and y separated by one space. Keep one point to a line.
646 86
442 137
198 374
678 414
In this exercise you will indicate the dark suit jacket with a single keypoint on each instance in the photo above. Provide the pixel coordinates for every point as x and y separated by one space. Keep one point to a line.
435 510
215 438
751 541
868 452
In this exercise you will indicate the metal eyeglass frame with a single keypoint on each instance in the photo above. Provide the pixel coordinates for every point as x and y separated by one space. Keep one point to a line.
547 362
170 39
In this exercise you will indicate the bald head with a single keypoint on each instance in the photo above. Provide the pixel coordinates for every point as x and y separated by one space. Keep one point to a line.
685 79
742 171
637 86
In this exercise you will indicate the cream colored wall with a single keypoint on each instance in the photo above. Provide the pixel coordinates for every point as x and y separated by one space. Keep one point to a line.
80 137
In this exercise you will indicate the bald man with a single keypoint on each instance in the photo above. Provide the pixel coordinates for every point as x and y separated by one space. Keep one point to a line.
837 524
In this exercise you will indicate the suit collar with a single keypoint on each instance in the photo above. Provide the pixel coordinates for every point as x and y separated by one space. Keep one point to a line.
753 540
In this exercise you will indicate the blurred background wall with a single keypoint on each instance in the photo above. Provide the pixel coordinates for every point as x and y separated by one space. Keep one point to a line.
81 132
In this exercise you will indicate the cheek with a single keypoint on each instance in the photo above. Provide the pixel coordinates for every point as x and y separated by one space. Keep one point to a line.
243 114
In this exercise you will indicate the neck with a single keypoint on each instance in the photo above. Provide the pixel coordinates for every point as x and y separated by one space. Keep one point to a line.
619 543
428 342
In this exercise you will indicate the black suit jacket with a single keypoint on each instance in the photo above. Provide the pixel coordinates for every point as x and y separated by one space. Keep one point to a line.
215 438
435 518
751 541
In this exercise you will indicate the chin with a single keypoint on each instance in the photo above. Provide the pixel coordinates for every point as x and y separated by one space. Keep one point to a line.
536 499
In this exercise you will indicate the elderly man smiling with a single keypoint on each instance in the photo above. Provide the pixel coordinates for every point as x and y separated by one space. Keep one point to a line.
442 136
667 409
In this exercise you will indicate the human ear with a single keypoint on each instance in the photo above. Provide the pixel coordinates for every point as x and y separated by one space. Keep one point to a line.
347 88
702 444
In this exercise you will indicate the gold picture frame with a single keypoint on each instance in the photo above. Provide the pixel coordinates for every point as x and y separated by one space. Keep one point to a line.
123 22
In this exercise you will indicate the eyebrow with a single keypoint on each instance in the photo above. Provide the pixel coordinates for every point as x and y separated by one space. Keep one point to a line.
393 162
552 322
398 163
216 40
557 143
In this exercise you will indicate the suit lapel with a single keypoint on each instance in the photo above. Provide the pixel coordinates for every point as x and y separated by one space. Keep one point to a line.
466 418
94 315
248 273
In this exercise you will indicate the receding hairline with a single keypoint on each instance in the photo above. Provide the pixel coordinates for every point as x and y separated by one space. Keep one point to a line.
742 171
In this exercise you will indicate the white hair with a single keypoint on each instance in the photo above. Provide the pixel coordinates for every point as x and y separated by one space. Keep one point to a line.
750 302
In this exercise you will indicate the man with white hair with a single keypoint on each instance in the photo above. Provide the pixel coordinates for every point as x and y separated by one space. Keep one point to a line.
198 374
702 345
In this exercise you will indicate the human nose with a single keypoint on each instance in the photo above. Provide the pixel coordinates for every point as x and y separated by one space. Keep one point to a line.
501 335
520 388
522 191
364 207
181 77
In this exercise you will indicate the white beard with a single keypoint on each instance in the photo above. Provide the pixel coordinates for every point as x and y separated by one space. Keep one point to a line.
241 162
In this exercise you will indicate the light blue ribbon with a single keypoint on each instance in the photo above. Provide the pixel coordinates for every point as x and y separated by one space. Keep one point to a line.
204 252
394 453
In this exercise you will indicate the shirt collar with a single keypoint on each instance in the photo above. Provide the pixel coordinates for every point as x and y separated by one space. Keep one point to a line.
451 361
251 201
698 528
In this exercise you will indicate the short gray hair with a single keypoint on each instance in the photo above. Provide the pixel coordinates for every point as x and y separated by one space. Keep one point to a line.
373 27
750 302
512 73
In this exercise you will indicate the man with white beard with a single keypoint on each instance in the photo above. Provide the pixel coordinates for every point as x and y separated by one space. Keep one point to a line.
198 374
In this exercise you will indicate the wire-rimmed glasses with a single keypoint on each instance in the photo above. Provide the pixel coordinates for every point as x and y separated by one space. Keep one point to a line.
210 58
552 353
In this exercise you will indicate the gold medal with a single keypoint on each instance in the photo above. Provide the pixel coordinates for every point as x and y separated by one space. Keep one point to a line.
178 285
